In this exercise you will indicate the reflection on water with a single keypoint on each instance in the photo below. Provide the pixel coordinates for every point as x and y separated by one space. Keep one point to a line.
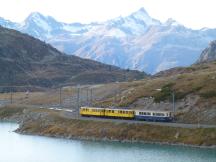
22 148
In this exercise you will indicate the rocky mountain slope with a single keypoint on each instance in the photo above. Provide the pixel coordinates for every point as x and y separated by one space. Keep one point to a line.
25 60
136 41
209 54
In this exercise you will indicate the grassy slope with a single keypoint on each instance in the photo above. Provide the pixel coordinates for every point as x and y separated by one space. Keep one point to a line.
198 80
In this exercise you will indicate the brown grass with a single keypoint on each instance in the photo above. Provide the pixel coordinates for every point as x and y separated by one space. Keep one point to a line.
72 128
198 82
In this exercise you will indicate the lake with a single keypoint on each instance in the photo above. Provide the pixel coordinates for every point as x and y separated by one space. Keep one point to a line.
24 148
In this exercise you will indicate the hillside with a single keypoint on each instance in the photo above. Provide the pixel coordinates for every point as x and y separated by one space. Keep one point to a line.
209 54
194 88
25 60
136 41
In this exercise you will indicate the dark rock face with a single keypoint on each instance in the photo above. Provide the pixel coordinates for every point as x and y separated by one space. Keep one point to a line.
25 60
209 54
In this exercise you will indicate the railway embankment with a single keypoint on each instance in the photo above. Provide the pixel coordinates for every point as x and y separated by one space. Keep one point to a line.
52 123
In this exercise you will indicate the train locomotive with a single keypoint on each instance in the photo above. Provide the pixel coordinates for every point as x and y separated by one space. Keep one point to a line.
147 115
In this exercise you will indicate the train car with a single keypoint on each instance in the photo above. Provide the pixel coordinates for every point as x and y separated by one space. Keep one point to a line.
147 115
119 113
92 111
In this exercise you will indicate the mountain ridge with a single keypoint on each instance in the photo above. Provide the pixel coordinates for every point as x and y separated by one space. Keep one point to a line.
136 41
25 60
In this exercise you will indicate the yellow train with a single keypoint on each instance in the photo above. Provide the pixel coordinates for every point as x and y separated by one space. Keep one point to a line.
120 113
107 112
148 115
92 111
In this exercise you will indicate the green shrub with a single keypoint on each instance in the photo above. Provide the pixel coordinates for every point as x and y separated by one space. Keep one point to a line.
164 94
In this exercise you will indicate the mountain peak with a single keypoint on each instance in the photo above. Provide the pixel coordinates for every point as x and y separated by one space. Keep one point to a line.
142 10
208 54
142 16
172 22
35 14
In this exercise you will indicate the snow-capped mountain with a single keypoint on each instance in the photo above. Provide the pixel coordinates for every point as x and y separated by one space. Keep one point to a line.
136 41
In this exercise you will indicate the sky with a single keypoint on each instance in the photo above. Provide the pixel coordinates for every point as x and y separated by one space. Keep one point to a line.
195 14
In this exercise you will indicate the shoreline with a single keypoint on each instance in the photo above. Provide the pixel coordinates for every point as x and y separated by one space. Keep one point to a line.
119 141
50 123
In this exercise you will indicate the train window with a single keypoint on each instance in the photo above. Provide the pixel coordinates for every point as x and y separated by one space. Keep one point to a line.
159 114
112 111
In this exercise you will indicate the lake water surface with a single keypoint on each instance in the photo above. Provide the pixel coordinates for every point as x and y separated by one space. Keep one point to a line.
23 148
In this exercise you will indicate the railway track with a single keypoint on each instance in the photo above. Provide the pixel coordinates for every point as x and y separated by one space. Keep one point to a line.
72 114
172 124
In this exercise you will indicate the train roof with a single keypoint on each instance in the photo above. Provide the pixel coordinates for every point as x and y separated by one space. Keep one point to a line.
140 110
91 107
161 111
119 109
